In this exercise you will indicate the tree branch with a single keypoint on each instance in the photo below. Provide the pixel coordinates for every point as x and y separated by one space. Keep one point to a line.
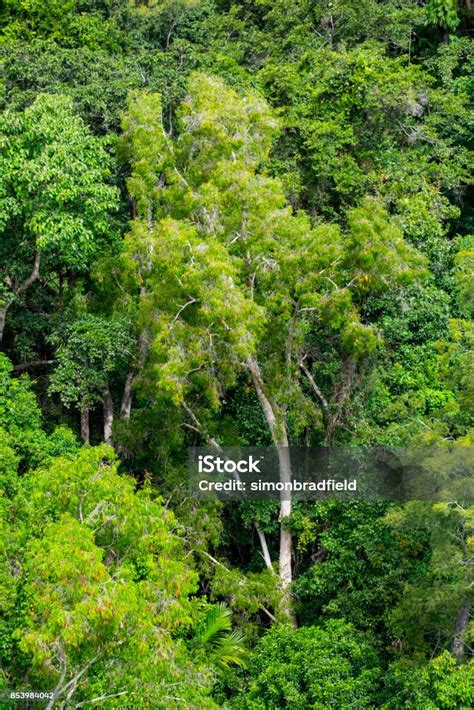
265 403
198 426
314 386
33 363
219 564
100 698
189 303
33 276
291 330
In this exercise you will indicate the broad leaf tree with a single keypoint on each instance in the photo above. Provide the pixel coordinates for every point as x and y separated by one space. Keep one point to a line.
55 198
90 350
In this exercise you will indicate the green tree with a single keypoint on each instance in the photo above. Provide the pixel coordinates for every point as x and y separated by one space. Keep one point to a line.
90 352
214 637
360 566
228 316
434 609
55 198
102 599
443 14
439 684
313 667
24 442
229 278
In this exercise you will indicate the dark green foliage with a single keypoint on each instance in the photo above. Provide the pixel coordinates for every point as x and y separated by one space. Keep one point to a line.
186 184
360 566
24 442
89 351
314 667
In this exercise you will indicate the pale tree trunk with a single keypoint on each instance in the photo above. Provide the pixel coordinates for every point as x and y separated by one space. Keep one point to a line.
462 621
280 439
265 551
85 432
108 407
286 546
126 405
3 317
143 345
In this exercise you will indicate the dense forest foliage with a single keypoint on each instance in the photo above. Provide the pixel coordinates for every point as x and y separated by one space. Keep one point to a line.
232 223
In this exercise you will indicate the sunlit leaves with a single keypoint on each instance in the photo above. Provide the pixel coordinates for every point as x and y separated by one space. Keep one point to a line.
54 182
102 568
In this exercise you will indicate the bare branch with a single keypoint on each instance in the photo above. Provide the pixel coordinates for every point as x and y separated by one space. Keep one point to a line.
269 614
314 386
291 330
213 559
210 440
189 303
100 698
184 181
33 276
219 564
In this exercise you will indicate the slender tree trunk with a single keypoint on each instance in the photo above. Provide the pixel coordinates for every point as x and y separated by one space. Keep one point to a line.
108 406
3 317
143 344
264 546
286 545
280 439
85 432
126 405
457 647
